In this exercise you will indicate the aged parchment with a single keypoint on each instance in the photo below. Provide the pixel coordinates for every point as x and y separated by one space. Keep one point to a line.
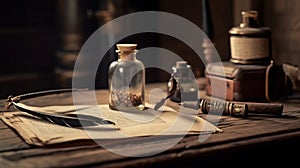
127 124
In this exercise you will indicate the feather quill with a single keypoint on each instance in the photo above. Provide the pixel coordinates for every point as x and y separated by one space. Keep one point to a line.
53 118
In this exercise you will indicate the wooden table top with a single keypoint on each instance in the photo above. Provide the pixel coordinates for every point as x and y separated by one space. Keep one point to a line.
251 141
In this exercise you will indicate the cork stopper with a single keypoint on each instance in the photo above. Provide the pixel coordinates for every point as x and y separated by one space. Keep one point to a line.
126 51
126 47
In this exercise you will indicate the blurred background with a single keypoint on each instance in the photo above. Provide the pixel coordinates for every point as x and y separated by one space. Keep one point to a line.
40 40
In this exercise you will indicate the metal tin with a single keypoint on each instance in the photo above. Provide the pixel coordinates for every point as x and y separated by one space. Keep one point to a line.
250 43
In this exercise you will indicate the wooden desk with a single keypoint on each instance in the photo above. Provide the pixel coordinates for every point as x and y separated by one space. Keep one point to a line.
244 142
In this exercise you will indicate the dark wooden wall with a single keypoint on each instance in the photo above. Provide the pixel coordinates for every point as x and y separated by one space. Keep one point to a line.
30 38
27 44
284 19
29 30
221 15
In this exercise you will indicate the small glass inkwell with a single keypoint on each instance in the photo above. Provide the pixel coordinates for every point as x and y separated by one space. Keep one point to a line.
182 84
126 79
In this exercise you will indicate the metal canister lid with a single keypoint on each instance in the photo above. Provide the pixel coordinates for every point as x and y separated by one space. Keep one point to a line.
250 25
249 31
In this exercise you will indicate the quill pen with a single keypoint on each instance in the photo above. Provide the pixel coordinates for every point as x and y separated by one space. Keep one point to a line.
53 118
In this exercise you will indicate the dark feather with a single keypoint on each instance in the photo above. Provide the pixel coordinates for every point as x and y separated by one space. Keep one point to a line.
68 121
62 120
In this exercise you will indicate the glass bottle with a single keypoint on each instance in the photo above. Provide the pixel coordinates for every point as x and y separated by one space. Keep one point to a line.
182 83
126 79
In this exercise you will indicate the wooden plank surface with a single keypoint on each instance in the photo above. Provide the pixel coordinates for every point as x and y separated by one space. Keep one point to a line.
248 139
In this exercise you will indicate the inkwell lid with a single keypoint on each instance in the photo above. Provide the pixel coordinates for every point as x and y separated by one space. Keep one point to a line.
181 65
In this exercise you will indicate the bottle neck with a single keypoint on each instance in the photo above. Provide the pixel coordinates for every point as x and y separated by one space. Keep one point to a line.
182 74
127 55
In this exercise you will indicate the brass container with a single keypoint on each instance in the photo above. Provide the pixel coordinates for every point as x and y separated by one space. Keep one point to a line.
250 43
